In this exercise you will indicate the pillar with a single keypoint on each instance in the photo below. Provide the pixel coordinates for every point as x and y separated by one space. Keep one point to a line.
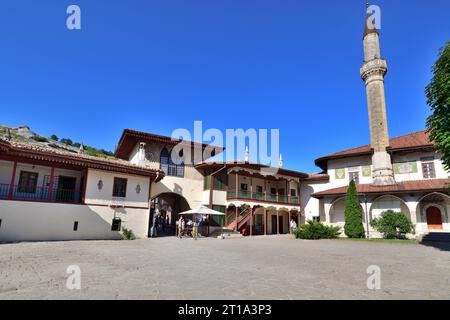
11 185
278 222
251 221
289 223
50 186
265 221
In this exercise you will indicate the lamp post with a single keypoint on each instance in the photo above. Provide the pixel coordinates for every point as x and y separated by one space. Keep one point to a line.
367 216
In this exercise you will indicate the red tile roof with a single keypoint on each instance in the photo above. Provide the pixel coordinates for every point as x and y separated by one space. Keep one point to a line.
401 187
413 140
43 153
130 138
250 165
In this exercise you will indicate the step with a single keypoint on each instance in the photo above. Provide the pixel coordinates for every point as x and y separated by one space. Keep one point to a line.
227 233
437 236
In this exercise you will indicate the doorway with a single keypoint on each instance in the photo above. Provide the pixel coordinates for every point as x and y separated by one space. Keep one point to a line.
274 224
434 218
66 189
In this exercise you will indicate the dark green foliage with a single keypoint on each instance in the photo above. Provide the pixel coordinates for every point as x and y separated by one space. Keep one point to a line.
438 98
40 138
393 224
316 230
127 234
67 141
54 137
353 213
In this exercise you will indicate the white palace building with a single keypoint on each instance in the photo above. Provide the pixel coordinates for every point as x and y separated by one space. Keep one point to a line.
49 194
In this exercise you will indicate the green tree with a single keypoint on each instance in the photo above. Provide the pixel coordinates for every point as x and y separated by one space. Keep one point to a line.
353 213
393 224
54 137
67 141
438 98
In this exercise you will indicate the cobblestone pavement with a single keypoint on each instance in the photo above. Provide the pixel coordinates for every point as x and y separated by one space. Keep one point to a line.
272 267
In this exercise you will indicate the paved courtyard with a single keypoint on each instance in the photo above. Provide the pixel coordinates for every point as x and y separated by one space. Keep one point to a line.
260 268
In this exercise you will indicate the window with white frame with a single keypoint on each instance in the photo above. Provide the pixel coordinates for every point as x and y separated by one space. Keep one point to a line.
428 169
354 176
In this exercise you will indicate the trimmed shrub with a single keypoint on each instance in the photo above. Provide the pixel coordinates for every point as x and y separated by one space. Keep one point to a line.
39 138
127 234
353 213
316 230
393 225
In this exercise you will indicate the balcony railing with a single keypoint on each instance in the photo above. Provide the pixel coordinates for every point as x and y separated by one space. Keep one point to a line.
263 197
39 194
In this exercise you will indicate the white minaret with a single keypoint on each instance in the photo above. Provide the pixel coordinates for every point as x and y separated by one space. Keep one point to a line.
280 162
372 72
246 154
141 153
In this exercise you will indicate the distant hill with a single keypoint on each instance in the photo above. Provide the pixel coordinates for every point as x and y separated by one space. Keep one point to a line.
23 134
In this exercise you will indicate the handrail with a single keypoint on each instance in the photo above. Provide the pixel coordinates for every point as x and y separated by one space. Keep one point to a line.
262 197
39 194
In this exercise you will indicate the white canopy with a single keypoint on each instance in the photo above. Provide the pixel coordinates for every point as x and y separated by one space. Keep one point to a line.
203 211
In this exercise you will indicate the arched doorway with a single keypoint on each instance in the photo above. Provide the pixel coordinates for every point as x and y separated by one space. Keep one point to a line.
165 207
434 218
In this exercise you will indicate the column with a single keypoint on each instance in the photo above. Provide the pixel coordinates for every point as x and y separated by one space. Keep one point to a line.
236 219
265 221
236 185
278 220
251 187
11 185
251 221
289 224
50 186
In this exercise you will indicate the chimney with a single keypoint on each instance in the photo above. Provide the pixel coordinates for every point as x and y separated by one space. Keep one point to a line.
141 152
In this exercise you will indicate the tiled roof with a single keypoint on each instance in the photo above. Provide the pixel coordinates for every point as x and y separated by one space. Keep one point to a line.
317 177
41 152
418 139
250 165
400 187
130 137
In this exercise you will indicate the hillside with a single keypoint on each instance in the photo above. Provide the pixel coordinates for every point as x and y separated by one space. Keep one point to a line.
23 134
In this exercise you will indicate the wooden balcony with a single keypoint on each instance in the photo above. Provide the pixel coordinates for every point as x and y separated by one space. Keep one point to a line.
262 197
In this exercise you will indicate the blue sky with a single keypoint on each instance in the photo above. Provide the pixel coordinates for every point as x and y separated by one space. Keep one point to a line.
158 65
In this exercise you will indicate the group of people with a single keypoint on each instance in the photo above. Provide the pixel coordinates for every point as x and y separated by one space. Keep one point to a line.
189 227
161 224
293 225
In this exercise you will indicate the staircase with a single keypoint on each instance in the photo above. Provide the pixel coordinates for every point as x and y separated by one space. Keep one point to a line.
436 237
234 223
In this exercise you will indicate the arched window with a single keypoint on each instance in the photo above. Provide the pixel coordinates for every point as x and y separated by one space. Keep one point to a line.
170 168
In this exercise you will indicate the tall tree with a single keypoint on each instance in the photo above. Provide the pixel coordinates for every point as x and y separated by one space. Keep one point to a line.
353 213
438 98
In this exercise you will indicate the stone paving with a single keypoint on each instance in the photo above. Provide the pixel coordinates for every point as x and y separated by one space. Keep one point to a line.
272 267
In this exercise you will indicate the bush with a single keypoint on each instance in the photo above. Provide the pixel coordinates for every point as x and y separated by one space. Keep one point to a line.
353 213
40 138
66 141
316 230
393 224
127 234
54 137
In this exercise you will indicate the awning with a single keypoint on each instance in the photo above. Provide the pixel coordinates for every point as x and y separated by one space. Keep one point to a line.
203 211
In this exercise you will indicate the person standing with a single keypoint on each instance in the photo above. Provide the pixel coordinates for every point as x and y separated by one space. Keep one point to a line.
180 227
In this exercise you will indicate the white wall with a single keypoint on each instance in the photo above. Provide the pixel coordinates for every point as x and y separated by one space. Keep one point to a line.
312 207
105 195
33 221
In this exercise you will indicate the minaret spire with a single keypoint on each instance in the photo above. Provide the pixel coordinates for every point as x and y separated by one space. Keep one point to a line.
372 72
